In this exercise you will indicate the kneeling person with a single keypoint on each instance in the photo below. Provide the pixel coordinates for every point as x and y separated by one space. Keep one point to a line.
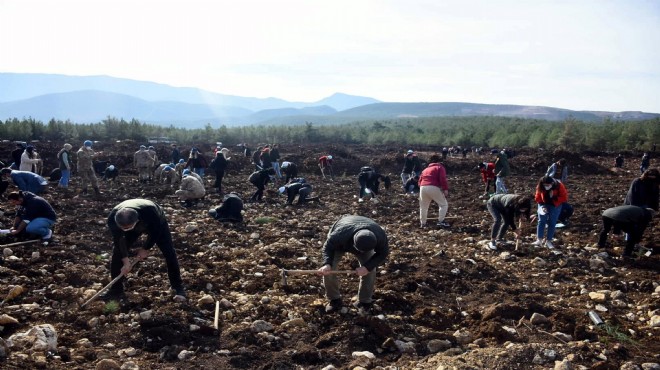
127 221
230 210
190 190
34 215
300 189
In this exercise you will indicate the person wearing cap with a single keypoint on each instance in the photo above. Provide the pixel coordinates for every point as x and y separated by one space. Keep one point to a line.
34 215
504 208
158 172
409 164
175 155
300 189
219 165
86 168
65 162
645 190
632 220
110 174
501 171
180 166
230 210
26 180
325 163
29 160
364 238
558 171
550 196
16 155
127 222
142 160
170 176
190 190
290 170
260 179
433 186
275 160
487 170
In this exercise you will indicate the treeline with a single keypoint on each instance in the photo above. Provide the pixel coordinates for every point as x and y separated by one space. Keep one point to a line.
570 134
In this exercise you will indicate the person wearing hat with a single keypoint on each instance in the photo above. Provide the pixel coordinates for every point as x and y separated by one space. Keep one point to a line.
364 238
219 165
127 222
230 210
65 162
34 215
110 174
550 196
433 186
26 180
86 168
180 166
410 164
325 163
300 189
632 220
142 160
16 155
29 160
170 176
190 190
290 170
158 172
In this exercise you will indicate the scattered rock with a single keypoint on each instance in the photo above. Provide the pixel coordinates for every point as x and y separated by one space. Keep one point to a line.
438 345
185 354
650 365
254 236
655 321
598 297
299 322
146 315
7 320
130 365
4 348
563 336
39 338
127 352
539 262
206 299
191 227
463 336
405 347
107 364
7 252
366 354
563 365
538 319
629 366
259 326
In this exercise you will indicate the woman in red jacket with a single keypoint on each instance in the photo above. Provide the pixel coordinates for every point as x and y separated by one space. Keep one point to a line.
433 186
550 195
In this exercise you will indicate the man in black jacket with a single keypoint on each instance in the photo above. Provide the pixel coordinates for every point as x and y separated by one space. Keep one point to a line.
34 215
364 238
219 165
127 221
632 220
230 210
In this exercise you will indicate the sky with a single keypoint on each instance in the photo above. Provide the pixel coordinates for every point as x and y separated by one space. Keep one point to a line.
575 54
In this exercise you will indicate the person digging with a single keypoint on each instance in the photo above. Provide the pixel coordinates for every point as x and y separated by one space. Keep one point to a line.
127 221
364 238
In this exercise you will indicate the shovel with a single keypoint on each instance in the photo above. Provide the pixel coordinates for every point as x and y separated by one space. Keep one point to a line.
105 288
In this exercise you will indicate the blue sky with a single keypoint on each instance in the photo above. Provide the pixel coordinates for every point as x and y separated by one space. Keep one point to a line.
584 55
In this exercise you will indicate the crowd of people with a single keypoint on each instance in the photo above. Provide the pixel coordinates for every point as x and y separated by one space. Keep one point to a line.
356 235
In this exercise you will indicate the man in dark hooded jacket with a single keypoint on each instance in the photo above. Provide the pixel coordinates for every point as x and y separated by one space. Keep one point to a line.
632 220
230 210
364 238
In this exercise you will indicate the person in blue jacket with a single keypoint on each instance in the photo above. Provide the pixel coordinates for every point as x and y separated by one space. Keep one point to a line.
26 180
34 215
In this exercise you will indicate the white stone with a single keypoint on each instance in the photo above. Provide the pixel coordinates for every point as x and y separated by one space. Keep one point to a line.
329 367
194 327
463 336
366 354
84 343
597 297
7 252
38 338
629 366
563 336
191 227
655 321
539 262
129 365
35 255
538 319
128 352
299 322
650 365
7 320
146 315
254 236
549 354
563 365
601 308
185 354
206 299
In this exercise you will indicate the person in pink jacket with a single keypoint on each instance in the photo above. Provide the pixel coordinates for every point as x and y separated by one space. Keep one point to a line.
433 187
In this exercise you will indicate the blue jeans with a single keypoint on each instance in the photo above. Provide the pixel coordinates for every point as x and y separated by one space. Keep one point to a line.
500 188
199 171
64 180
39 226
276 167
550 219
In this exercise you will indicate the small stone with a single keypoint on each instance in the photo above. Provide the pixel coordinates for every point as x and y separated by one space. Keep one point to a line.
107 364
225 303
629 366
655 321
206 299
650 365
539 262
329 367
146 315
600 308
185 354
130 365
617 294
598 297
260 326
563 365
563 336
7 320
538 360
128 352
194 327
84 343
297 322
190 228
463 336
405 347
35 255
438 345
93 322
538 319
254 236
549 354
455 351
366 354
7 252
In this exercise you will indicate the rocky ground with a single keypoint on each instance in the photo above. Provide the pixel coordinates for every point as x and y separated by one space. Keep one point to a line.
443 301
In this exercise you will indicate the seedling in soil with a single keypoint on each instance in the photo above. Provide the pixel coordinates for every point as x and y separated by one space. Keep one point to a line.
616 334
264 220
111 307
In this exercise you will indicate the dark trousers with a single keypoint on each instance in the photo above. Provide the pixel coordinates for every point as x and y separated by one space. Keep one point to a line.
259 193
634 232
166 248
499 226
218 181
490 182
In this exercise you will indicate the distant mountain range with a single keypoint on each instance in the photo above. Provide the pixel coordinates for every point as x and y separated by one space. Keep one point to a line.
90 99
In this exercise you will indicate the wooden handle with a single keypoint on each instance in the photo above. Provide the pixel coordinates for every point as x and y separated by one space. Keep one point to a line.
133 263
302 272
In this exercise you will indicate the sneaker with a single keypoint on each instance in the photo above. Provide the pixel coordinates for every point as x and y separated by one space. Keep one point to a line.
443 224
180 295
549 245
333 306
48 236
537 243
491 245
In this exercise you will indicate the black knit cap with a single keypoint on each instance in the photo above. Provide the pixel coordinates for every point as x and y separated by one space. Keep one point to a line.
364 240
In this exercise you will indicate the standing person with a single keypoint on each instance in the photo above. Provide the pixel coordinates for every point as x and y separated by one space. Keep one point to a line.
646 163
16 155
445 151
644 191
433 186
127 221
550 196
86 168
632 220
142 161
618 161
290 170
175 155
29 160
34 215
487 170
265 157
275 160
364 238
505 208
65 162
190 190
325 163
26 180
219 165
256 159
196 162
260 179
154 160
558 171
501 171
408 164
